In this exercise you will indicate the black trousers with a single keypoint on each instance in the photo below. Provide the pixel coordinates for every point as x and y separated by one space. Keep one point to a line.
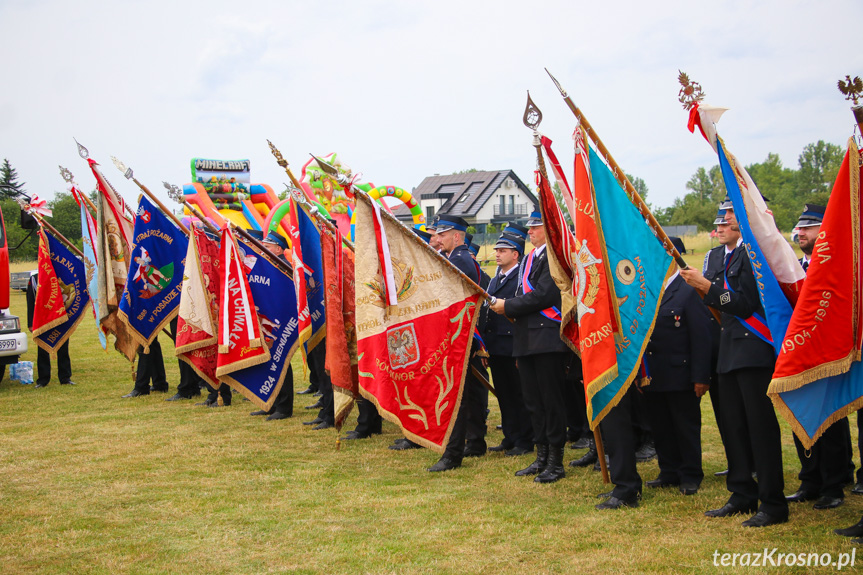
515 420
542 380
285 399
619 438
754 441
316 358
190 381
369 420
151 367
715 392
675 417
43 365
825 468
468 431
576 404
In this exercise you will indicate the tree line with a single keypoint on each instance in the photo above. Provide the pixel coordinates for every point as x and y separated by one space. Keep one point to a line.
785 189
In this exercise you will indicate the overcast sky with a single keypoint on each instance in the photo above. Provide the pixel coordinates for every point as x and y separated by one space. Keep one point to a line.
403 90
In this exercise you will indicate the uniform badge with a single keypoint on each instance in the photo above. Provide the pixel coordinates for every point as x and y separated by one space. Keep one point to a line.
725 298
677 321
402 346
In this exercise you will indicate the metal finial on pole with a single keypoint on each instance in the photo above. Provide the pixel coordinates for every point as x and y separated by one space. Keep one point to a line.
82 151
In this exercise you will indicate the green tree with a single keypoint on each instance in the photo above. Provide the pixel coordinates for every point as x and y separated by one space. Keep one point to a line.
15 235
698 206
9 184
819 164
776 184
491 229
558 196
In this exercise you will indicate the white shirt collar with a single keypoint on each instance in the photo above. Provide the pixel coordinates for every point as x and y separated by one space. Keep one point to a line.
737 245
538 250
672 278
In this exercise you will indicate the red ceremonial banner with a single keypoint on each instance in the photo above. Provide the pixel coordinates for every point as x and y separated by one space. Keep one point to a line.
49 310
413 356
197 325
341 356
594 296
240 339
823 336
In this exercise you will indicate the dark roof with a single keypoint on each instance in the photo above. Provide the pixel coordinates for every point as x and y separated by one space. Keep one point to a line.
464 194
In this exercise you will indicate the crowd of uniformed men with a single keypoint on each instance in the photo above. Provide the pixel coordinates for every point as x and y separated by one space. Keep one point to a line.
537 381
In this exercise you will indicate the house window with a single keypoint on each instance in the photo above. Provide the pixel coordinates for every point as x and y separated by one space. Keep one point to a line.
511 205
502 204
463 197
429 213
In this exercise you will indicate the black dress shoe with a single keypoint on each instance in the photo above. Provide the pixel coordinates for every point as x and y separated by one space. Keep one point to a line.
315 421
351 435
581 443
688 488
615 503
306 391
728 510
276 415
158 389
802 496
133 393
177 397
645 453
588 458
38 385
206 403
216 404
516 451
722 473
660 482
762 519
70 382
857 489
404 444
855 530
444 464
474 452
497 448
316 405
826 502
605 495
323 425
259 412
318 394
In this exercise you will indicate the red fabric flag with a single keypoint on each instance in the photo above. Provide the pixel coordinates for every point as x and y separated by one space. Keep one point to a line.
341 354
561 250
240 339
49 310
592 292
824 334
413 356
197 325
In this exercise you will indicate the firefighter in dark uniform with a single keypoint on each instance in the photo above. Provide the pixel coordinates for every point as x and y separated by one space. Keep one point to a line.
713 268
745 369
467 438
678 364
823 471
43 358
497 334
541 355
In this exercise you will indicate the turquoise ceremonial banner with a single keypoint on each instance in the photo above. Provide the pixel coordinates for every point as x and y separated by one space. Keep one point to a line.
639 267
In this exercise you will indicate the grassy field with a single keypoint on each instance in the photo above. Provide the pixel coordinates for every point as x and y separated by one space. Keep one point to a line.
92 483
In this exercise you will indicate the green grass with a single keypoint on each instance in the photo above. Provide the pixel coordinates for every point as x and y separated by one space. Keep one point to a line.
92 483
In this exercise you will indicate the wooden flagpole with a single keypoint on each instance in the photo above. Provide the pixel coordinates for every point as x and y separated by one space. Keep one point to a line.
127 172
532 118
59 236
634 197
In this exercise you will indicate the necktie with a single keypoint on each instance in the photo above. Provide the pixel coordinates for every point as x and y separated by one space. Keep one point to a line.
805 266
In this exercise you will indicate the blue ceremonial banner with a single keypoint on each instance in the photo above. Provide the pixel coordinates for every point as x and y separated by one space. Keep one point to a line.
777 308
639 267
88 233
310 239
279 327
72 277
151 297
